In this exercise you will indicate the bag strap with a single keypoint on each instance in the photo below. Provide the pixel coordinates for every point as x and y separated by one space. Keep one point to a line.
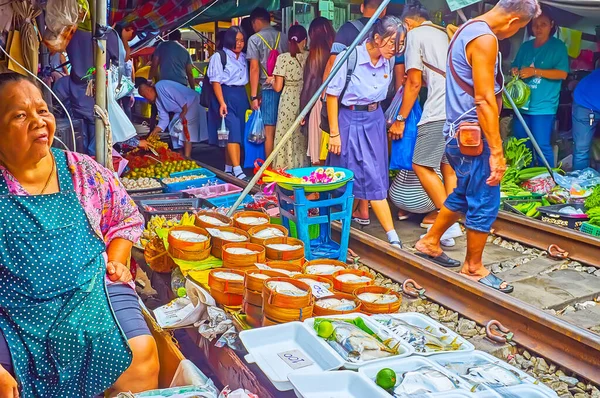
266 42
277 41
461 83
434 68
352 61
223 57
357 25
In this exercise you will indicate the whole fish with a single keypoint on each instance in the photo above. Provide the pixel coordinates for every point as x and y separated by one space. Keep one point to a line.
336 304
423 340
322 269
377 298
211 220
226 235
286 288
351 278
358 344
252 220
492 375
268 233
424 380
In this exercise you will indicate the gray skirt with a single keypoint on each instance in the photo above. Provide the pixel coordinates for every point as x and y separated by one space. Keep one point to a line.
431 146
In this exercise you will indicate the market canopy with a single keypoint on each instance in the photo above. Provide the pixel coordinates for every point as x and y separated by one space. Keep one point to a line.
583 8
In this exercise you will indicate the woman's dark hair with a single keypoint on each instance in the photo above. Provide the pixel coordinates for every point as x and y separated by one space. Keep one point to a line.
219 39
545 13
296 35
231 37
246 26
141 81
387 27
415 9
175 35
260 13
13 77
322 35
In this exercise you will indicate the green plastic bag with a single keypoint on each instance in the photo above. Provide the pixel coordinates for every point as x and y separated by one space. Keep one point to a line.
519 92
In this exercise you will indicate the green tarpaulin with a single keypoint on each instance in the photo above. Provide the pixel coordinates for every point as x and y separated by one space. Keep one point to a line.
226 9
458 4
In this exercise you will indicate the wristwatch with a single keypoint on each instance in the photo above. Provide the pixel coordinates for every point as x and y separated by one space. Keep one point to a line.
400 118
254 98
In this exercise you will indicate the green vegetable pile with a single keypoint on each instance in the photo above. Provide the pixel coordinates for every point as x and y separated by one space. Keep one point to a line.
530 209
592 205
519 92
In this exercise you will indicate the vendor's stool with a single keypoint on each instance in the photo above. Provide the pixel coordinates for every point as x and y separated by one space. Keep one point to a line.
334 205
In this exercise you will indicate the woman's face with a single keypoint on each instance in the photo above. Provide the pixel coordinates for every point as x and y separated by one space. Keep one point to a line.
26 125
239 43
541 27
387 45
147 92
127 34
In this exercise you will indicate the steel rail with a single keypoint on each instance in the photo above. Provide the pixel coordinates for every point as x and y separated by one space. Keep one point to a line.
580 247
561 342
572 347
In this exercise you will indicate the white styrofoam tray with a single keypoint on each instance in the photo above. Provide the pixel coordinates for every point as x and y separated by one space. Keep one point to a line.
520 391
527 380
412 364
384 333
338 384
423 321
264 345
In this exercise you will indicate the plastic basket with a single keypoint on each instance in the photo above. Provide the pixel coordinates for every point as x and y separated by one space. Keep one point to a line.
590 229
158 196
212 191
196 183
168 208
227 201
148 191
552 215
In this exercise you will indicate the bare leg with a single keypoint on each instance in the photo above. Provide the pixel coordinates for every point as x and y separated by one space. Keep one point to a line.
473 267
227 157
430 243
142 374
383 214
362 210
449 178
270 140
232 156
187 149
432 184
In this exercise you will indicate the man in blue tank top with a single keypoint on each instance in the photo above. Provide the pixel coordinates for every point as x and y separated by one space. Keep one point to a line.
473 94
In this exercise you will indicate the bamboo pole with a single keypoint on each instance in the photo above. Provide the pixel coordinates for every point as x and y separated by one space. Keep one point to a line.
309 106
101 49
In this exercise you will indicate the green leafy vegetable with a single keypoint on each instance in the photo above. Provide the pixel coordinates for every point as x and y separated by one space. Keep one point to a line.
593 201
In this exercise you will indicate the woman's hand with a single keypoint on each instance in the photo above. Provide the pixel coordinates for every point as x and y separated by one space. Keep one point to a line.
269 79
118 272
8 385
335 143
514 71
397 130
223 110
143 144
526 73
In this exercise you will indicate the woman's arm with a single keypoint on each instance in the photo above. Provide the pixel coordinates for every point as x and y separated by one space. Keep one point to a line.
335 142
218 90
550 74
278 84
119 250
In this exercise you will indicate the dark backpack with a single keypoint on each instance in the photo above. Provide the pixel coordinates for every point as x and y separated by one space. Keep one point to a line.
207 92
352 59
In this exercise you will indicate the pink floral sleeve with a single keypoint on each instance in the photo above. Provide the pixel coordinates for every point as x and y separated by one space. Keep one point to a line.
110 210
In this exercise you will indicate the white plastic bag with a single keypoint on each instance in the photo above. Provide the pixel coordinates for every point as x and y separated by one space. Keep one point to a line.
122 128
62 18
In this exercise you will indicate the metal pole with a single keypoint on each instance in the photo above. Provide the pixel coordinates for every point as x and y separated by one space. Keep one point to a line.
308 106
526 128
101 80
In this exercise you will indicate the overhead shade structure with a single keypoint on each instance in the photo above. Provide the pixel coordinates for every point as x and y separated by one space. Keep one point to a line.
227 9
458 4
153 14
583 8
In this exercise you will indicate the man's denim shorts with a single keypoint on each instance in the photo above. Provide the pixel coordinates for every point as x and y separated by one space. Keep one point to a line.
473 196
269 106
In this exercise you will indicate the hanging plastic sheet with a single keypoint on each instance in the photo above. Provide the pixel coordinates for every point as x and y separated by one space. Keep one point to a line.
122 128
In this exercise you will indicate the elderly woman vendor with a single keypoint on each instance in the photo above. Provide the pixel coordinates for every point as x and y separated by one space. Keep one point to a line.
70 322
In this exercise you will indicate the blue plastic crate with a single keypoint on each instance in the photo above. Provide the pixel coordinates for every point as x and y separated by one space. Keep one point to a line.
228 201
197 183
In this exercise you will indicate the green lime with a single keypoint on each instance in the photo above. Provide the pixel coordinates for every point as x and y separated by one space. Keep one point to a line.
325 329
181 292
386 378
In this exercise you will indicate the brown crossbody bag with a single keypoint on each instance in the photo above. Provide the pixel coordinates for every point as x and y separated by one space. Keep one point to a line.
469 134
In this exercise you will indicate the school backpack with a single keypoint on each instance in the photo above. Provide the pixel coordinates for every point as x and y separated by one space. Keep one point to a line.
273 54
207 91
352 60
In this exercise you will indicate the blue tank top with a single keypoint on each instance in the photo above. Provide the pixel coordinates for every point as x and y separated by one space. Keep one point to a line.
460 106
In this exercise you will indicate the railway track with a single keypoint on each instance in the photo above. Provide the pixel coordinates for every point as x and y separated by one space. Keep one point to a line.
553 311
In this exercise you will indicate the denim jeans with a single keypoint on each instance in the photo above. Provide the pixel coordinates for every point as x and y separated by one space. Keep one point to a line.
473 196
541 128
583 133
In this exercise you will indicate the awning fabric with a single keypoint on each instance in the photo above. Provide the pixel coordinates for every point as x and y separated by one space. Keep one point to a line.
583 8
227 9
458 4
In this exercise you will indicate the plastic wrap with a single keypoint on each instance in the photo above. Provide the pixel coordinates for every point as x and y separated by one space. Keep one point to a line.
256 134
62 18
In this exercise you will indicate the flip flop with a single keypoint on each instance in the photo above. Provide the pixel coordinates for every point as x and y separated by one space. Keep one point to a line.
494 282
361 221
442 260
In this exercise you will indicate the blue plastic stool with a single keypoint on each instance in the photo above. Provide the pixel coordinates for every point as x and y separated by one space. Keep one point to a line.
338 208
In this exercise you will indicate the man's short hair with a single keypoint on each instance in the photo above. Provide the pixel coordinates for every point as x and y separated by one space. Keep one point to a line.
175 35
372 3
526 9
415 9
260 13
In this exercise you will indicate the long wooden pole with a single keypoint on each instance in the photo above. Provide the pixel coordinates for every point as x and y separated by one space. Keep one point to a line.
309 106
101 20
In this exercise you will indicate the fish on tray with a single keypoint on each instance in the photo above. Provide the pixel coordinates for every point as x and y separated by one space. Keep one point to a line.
378 298
269 233
336 304
422 381
286 288
424 340
485 373
351 278
283 247
356 345
322 269
226 235
252 220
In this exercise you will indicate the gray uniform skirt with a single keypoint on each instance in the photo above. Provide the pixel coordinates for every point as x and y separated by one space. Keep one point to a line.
364 152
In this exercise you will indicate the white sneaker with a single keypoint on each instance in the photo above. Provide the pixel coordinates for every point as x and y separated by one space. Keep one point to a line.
453 232
446 242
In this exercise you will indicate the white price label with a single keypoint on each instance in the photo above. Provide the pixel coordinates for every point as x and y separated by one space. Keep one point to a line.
319 290
295 359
